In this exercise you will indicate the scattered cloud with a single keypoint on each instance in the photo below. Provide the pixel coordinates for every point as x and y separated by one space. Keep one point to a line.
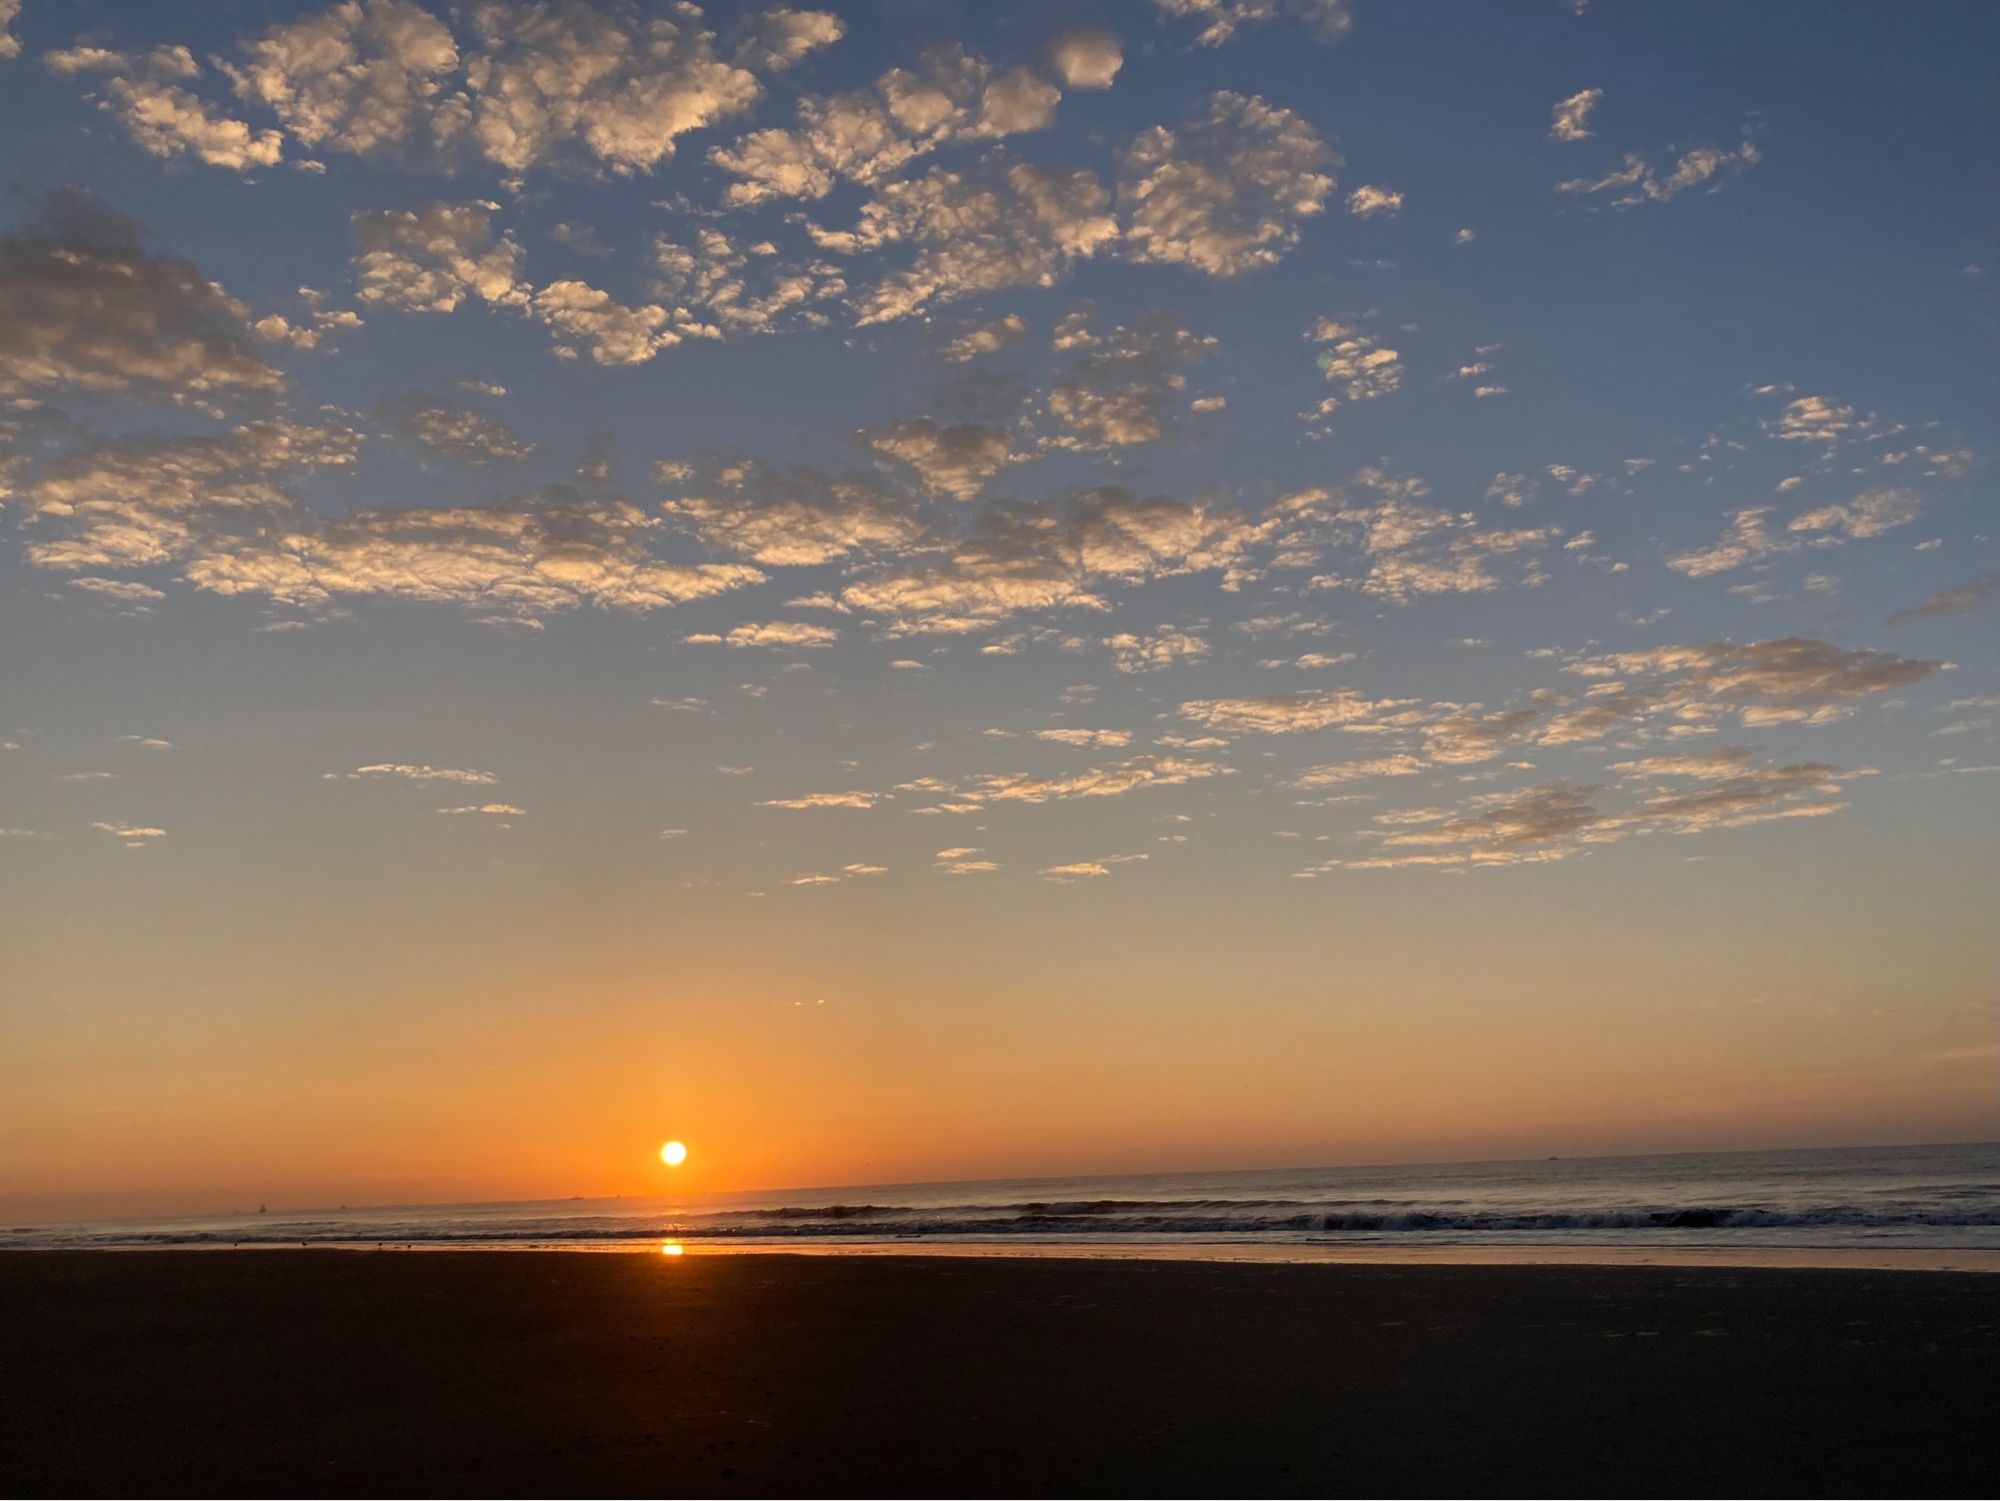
1570 121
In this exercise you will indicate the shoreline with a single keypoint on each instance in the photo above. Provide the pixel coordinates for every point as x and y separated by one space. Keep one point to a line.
481 1372
1976 1261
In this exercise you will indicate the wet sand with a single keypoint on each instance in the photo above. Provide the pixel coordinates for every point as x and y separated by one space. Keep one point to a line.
484 1373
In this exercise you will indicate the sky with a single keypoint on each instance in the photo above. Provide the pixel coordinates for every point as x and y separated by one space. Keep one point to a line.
927 590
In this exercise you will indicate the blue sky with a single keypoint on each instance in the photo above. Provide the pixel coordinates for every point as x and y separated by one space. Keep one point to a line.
633 496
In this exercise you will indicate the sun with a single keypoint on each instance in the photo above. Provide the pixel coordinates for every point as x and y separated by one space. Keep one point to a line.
674 1153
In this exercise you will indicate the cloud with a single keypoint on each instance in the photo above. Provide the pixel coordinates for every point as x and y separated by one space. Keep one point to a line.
744 291
1790 680
616 87
1226 193
455 430
431 258
782 37
781 633
1086 59
10 12
1749 537
825 800
125 591
868 135
136 836
1326 20
1367 202
1080 868
796 518
1110 739
164 119
404 771
554 551
1414 549
585 317
89 308
1638 181
1869 514
1118 390
130 502
1113 780
1569 121
498 810
1464 738
1355 362
1139 653
954 461
365 78
1280 715
1962 600
1040 556
1004 223
981 339
1339 772
1813 419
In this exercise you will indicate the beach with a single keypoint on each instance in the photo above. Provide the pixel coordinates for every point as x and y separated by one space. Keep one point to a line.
497 1373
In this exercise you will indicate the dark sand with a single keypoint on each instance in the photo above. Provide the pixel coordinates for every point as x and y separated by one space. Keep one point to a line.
481 1373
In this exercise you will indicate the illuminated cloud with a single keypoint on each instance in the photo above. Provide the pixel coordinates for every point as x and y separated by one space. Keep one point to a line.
148 96
1103 781
1226 193
90 308
1639 181
1282 715
1003 223
1795 679
1337 773
791 633
1039 557
826 800
1367 202
740 290
553 552
364 78
456 431
10 12
954 461
1137 653
403 771
1325 20
1869 514
1112 739
614 87
130 502
981 339
1747 538
795 518
1570 121
1123 381
1355 362
1088 59
431 258
1813 419
869 135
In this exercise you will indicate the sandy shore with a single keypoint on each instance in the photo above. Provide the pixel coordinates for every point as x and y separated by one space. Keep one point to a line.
462 1373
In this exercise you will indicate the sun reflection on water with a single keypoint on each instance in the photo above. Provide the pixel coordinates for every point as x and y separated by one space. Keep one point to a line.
672 1248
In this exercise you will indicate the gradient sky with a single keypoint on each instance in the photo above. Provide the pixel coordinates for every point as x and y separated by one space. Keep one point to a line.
956 590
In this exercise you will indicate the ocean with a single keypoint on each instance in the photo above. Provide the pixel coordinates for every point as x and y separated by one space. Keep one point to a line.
1914 1198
